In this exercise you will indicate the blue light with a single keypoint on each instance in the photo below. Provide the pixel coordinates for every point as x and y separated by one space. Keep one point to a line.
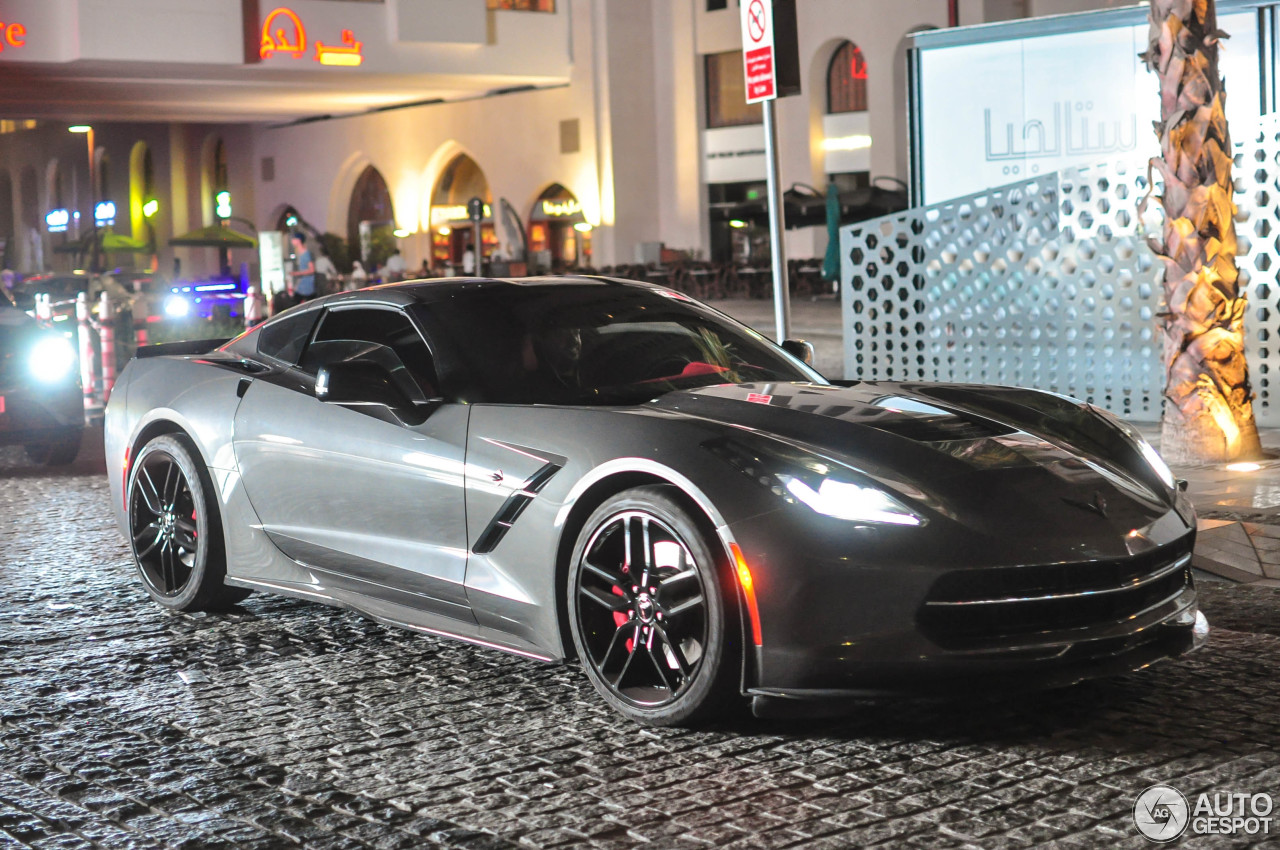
57 221
105 213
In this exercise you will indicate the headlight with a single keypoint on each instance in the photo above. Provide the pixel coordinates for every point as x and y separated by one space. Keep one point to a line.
843 500
820 484
52 359
176 306
1148 452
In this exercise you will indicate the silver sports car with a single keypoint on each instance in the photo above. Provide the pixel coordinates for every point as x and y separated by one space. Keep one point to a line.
610 471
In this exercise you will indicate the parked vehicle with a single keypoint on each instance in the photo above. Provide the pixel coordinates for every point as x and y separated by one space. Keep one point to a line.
611 471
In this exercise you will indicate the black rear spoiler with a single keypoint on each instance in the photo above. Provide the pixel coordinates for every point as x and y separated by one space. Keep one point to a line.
169 349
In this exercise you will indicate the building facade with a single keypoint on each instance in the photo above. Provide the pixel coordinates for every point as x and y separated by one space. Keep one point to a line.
592 130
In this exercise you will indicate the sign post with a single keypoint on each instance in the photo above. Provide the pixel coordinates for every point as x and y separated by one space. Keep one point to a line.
759 59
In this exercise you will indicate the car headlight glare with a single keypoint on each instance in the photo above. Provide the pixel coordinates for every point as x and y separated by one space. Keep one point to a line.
1148 452
1153 459
176 307
855 502
52 359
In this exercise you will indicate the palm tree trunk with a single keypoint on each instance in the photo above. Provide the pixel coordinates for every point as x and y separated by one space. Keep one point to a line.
1208 411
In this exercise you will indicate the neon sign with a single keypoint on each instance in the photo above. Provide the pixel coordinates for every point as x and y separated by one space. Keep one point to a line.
104 213
12 35
559 209
281 42
349 55
57 221
284 33
453 212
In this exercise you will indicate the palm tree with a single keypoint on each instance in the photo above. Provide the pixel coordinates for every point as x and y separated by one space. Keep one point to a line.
1208 411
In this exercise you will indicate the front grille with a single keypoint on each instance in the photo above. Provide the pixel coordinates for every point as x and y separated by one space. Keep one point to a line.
974 609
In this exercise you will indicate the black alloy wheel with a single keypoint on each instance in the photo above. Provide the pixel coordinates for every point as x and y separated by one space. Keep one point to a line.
648 611
175 528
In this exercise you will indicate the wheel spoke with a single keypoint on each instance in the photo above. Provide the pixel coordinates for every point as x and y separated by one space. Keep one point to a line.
677 654
617 683
185 534
603 575
168 572
664 672
648 552
155 541
172 484
690 604
677 578
609 601
150 495
616 642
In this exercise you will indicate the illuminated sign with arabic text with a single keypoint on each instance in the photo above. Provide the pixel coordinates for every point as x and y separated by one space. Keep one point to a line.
557 209
12 35
283 33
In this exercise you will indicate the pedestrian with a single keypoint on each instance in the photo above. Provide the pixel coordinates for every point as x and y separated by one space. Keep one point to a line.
326 272
7 282
394 269
469 260
303 276
359 278
255 306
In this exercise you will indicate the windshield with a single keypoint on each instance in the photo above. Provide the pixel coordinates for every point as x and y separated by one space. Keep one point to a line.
594 344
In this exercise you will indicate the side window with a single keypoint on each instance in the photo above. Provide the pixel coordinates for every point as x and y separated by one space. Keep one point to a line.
284 338
385 337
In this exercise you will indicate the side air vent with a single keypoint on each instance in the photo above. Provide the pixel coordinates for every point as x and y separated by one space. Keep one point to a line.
512 508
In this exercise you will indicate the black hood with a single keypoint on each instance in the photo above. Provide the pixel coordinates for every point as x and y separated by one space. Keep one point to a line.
999 461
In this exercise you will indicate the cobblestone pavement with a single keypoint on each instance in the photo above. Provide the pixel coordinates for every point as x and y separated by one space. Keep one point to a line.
289 723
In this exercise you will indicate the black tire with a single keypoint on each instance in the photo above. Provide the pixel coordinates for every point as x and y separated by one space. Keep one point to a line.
661 647
175 528
61 452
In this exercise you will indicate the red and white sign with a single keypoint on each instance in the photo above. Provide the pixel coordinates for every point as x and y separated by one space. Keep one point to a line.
757 49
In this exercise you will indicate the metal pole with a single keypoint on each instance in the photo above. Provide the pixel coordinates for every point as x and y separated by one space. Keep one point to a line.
781 288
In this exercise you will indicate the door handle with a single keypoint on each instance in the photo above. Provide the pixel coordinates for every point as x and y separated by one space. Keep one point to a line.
243 387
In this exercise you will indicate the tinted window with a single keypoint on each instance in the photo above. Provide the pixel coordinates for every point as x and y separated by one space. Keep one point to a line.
284 338
594 345
384 337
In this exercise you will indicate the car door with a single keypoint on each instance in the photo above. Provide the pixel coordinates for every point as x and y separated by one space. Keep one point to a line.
373 503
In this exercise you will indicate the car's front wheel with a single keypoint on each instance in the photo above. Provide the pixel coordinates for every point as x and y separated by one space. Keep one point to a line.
176 529
651 619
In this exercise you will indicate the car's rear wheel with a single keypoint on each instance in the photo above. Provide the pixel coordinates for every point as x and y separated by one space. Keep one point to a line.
176 529
649 612
60 452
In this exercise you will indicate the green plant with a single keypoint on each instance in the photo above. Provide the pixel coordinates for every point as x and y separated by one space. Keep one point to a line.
337 250
182 330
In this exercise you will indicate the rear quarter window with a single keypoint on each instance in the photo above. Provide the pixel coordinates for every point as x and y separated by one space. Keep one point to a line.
284 338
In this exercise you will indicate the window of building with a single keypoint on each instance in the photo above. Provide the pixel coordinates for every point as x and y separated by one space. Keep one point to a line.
717 5
522 5
847 80
727 92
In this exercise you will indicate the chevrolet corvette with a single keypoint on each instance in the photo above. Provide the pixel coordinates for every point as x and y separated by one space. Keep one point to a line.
591 469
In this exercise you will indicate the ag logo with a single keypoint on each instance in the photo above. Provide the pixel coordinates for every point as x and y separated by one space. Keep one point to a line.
1161 813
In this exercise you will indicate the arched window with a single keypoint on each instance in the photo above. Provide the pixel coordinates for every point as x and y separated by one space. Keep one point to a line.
142 187
7 229
847 80
371 218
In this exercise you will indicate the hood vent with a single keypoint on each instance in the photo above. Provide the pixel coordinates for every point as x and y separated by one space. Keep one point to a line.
940 429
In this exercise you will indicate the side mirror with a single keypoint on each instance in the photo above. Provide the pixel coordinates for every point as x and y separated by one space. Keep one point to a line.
800 349
360 382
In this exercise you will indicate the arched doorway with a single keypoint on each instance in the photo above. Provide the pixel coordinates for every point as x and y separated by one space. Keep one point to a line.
558 230
460 181
7 229
143 203
371 219
846 127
